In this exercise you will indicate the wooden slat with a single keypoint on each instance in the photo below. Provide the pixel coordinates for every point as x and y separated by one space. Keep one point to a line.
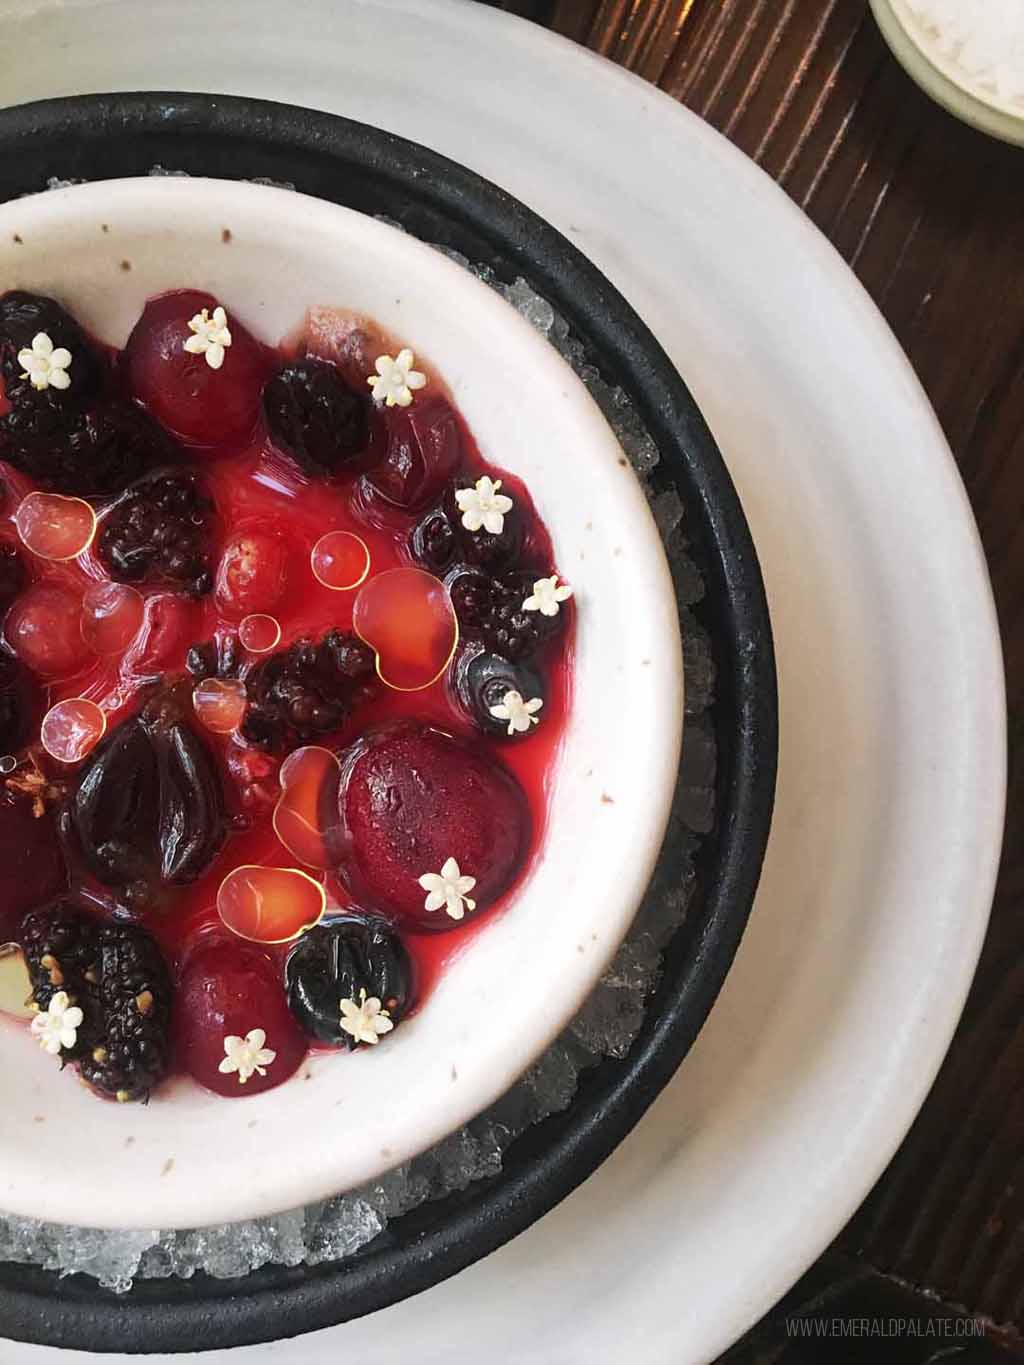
930 214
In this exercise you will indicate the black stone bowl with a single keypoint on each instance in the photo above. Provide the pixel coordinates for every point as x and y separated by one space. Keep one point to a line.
108 136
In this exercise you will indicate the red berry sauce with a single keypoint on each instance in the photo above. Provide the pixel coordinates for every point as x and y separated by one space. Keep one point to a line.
270 507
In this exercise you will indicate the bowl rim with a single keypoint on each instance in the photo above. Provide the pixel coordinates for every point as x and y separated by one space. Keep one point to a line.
84 130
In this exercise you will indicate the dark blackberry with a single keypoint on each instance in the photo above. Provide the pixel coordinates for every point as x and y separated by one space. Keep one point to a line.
434 542
439 539
160 530
95 452
315 417
129 1050
13 574
307 690
481 681
61 947
220 657
490 611
18 704
22 317
345 959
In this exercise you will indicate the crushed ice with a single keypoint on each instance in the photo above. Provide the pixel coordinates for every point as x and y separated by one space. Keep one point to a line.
605 1027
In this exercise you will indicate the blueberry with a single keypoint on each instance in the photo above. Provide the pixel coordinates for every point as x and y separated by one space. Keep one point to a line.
483 680
339 960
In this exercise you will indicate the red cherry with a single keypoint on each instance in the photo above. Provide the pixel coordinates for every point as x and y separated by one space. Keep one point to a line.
253 573
413 799
44 629
31 863
424 451
230 989
207 408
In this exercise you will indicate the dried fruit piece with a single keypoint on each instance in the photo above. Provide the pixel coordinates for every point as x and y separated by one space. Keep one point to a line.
230 990
43 627
205 406
413 799
316 418
129 1050
307 690
355 959
147 809
340 560
112 615
407 618
269 904
55 527
160 530
306 817
72 728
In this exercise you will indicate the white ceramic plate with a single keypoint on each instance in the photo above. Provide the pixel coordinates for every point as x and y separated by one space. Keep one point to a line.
888 818
189 1157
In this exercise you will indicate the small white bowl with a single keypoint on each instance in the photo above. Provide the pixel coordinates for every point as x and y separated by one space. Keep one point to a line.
190 1158
949 84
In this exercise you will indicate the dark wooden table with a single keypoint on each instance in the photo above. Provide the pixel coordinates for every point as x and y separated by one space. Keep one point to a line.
930 215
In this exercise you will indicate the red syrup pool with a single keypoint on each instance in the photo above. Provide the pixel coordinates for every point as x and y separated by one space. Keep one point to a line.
278 535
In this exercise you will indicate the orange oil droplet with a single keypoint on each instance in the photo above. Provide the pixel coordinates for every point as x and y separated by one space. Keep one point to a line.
270 904
219 703
340 560
259 633
55 527
111 617
306 818
71 729
406 616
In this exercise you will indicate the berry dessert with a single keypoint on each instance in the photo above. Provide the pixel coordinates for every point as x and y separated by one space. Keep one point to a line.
284 672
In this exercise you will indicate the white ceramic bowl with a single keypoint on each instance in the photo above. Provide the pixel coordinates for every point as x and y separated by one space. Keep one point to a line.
189 1158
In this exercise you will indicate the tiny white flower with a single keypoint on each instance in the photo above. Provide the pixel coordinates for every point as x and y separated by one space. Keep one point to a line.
247 1055
45 367
448 888
546 596
365 1021
58 1027
395 379
211 338
482 505
519 714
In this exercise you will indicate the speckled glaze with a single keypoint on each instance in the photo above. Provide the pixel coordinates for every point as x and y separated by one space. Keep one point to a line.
192 1159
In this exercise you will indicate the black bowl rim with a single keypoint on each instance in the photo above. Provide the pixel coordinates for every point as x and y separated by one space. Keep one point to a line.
204 1314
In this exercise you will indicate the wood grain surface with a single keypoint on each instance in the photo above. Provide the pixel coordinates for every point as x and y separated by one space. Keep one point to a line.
930 215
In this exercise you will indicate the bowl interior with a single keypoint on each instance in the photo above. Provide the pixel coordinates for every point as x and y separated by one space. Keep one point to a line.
192 1158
